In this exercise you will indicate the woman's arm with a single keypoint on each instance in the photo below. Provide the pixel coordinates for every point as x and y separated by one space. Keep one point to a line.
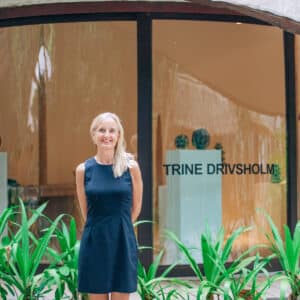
137 184
80 190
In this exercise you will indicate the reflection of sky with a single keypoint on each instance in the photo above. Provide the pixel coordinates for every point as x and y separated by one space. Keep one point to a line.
42 68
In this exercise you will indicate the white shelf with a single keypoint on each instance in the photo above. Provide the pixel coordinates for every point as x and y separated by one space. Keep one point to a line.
190 202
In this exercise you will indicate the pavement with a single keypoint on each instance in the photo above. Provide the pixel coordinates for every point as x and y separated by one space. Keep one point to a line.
272 294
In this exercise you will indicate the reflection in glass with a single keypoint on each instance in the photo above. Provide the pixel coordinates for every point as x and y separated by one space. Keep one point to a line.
232 85
19 111
54 79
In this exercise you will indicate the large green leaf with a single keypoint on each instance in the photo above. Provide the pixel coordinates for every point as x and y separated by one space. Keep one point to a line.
4 217
208 254
287 252
192 262
36 213
229 243
23 250
290 253
154 266
42 246
73 238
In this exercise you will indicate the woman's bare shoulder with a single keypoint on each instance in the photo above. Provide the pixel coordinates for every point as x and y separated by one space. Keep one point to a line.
134 168
133 164
80 168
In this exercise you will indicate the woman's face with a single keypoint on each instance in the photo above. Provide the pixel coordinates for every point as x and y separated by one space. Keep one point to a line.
106 135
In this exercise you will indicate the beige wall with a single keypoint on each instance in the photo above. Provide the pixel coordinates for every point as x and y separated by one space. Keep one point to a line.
237 60
94 70
87 68
229 79
18 121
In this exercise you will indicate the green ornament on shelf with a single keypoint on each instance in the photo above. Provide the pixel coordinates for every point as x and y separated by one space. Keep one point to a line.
276 175
181 141
219 146
200 138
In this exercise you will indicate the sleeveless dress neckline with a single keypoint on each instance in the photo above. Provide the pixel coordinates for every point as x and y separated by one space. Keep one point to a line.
100 164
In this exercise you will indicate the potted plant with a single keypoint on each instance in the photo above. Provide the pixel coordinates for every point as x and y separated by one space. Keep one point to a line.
217 271
152 286
27 251
287 251
6 286
245 285
64 266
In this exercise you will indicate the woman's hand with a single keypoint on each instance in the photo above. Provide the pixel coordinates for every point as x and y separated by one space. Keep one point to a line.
80 190
137 184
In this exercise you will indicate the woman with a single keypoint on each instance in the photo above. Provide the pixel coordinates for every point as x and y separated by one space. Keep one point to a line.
109 188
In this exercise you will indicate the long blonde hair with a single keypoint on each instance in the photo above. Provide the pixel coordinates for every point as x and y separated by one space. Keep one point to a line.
121 160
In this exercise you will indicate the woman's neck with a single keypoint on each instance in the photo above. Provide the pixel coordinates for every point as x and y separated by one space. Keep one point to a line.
105 157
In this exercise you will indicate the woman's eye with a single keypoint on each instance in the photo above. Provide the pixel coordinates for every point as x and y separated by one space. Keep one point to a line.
112 131
101 130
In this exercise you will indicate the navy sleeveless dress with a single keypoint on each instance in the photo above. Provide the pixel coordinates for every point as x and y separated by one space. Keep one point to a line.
108 250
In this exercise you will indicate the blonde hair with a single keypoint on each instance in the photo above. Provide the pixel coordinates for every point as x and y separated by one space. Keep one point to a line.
121 160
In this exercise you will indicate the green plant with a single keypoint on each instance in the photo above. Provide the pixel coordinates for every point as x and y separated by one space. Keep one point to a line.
276 175
152 286
200 138
64 268
26 255
215 254
219 146
181 141
6 283
287 251
7 221
244 285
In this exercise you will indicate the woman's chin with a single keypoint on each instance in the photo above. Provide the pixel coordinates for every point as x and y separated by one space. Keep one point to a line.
106 147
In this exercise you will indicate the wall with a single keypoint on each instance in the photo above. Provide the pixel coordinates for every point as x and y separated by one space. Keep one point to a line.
229 79
79 70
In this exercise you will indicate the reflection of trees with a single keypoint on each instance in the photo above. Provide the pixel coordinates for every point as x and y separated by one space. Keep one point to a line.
42 73
42 112
261 139
247 137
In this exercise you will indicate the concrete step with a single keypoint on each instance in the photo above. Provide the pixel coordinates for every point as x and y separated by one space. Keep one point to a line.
272 294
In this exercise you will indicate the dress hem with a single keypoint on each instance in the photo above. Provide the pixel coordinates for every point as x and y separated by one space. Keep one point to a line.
107 292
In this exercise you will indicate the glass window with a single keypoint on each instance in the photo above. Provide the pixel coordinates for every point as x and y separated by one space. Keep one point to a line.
54 79
218 130
19 112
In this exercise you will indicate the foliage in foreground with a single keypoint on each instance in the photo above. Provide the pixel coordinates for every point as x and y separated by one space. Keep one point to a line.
22 252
